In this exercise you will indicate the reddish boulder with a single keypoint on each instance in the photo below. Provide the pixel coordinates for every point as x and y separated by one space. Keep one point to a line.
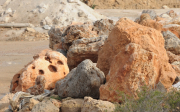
131 56
51 64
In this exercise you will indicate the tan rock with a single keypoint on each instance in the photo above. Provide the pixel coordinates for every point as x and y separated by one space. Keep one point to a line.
51 64
30 30
73 105
39 86
146 20
93 105
133 55
173 57
85 48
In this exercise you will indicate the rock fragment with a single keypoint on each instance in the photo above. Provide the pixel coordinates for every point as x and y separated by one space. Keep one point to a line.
82 81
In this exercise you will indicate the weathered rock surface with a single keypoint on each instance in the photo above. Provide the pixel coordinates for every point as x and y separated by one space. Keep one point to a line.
172 43
39 86
151 13
45 107
103 26
84 80
146 20
173 57
73 105
93 105
50 64
133 55
67 35
27 104
85 48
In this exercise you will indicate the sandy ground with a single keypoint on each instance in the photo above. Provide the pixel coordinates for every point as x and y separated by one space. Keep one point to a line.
14 55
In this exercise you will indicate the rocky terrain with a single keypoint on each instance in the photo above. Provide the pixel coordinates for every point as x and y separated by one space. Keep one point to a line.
87 62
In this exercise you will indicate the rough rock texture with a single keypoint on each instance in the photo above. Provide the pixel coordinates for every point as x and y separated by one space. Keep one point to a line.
27 104
45 107
151 13
84 80
67 35
73 105
51 64
103 26
93 105
56 103
146 20
85 48
131 56
77 32
55 34
39 86
172 43
173 57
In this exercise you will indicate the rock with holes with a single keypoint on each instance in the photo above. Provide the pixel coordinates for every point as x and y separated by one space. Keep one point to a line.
93 105
67 35
39 86
50 64
75 32
84 80
103 26
85 48
55 35
131 56
172 42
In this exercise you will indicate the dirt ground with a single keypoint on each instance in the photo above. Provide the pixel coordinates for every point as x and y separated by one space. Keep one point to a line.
15 54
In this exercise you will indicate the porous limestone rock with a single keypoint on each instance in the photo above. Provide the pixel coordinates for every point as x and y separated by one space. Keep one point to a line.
85 48
93 105
131 56
39 86
51 64
73 105
172 43
55 35
75 32
103 26
45 107
82 81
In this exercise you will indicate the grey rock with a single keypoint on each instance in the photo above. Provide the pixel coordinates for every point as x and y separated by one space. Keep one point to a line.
152 13
82 81
85 48
62 52
172 42
103 26
46 27
45 107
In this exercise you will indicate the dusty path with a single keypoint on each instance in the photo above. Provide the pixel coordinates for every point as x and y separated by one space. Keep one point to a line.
131 14
13 57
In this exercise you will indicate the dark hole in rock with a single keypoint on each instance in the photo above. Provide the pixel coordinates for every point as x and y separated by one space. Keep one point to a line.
18 76
52 68
48 59
33 67
17 82
64 73
60 63
41 72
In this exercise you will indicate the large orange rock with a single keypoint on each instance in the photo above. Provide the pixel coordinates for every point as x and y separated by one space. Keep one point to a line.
51 64
131 56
